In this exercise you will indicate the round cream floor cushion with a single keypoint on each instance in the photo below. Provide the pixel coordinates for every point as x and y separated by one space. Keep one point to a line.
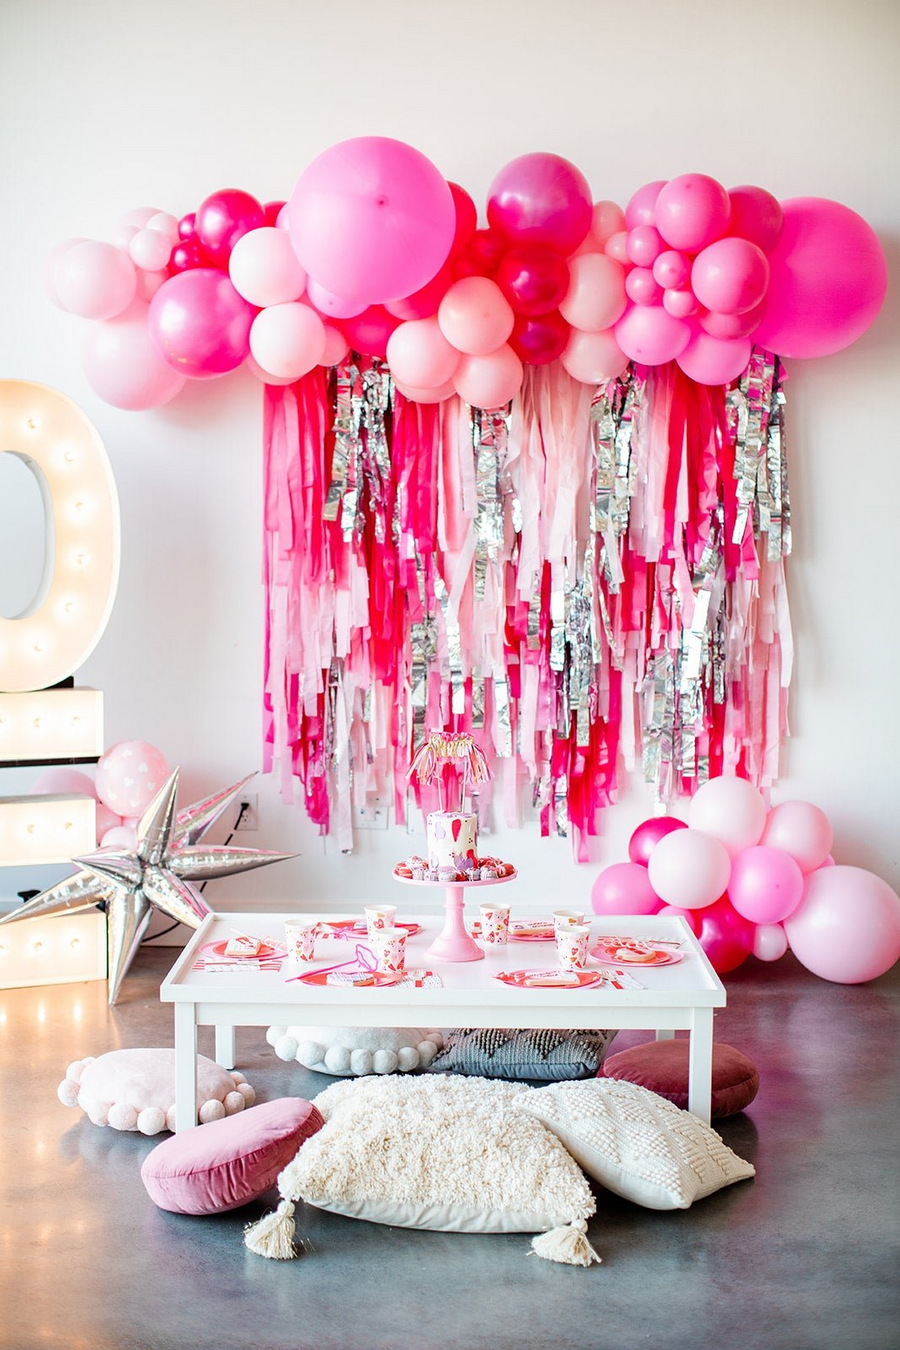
356 1051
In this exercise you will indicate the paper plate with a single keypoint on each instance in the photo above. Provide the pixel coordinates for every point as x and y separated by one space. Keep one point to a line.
381 978
607 957
358 927
518 978
266 951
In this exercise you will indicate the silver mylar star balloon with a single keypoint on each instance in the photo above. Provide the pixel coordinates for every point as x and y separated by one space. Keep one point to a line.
157 875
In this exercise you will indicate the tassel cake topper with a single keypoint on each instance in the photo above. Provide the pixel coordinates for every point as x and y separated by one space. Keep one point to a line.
444 749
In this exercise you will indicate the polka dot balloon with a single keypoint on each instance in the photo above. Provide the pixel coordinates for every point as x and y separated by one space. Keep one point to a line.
129 776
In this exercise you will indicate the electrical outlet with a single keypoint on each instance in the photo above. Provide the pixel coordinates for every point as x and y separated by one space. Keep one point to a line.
374 815
250 819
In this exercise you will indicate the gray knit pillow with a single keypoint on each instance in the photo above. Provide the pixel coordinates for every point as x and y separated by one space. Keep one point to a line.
504 1052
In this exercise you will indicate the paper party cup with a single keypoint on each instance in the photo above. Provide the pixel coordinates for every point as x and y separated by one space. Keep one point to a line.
300 935
572 946
567 918
494 924
389 945
379 917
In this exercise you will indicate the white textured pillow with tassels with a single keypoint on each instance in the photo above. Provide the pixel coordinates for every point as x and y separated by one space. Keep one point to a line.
636 1143
444 1153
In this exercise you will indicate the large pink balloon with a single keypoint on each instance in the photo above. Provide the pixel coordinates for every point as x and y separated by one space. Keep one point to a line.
766 884
828 279
199 324
712 360
624 888
847 926
593 358
420 356
647 334
801 829
122 365
689 869
595 297
489 381
730 809
223 218
648 834
475 316
95 280
725 936
541 199
691 211
755 215
730 276
331 305
129 775
372 219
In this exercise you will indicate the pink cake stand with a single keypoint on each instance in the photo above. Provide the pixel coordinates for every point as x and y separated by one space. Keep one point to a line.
453 943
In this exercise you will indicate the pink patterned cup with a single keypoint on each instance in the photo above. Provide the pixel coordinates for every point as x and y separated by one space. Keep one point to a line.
494 924
300 936
389 945
379 916
567 918
572 946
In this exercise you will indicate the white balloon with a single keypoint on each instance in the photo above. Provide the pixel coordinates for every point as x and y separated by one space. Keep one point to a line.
287 340
264 268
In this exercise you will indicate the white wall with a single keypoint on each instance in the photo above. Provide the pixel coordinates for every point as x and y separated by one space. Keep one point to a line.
107 107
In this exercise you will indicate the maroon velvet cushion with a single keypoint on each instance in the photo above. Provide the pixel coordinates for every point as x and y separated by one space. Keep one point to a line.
662 1066
229 1162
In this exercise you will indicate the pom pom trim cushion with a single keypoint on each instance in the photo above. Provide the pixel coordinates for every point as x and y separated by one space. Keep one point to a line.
229 1162
662 1067
498 1052
348 1051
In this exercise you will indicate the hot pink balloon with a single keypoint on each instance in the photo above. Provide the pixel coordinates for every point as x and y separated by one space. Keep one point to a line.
709 360
641 208
672 269
689 869
123 366
766 884
420 356
593 358
541 199
533 278
730 276
755 215
644 245
287 340
475 316
624 888
466 219
264 268
827 282
541 339
489 381
199 324
223 218
271 211
486 249
680 304
801 829
187 225
725 936
129 775
646 333
691 211
369 332
424 302
95 280
641 288
438 395
847 926
730 809
769 942
595 297
372 219
648 834
731 325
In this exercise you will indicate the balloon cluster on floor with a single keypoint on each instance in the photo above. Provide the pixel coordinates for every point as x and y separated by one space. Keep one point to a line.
376 252
753 880
129 775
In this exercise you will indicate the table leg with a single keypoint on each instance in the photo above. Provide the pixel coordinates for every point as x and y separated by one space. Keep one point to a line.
665 1034
185 1067
225 1047
700 1071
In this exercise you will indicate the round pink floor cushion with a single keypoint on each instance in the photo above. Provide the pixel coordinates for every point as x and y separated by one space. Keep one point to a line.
662 1066
229 1162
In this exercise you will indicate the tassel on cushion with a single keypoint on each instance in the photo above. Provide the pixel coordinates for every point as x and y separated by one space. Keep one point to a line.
273 1236
567 1244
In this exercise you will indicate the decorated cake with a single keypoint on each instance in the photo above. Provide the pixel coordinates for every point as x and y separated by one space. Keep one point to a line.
452 838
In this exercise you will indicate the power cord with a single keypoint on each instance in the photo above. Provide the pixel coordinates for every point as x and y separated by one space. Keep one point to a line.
245 807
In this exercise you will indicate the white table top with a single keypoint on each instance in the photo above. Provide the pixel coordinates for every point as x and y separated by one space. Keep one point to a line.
469 987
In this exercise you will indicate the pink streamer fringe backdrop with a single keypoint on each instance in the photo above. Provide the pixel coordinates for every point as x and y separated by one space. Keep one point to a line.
590 580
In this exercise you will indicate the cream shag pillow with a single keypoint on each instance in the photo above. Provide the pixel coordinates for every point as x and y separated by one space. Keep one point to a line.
444 1153
636 1143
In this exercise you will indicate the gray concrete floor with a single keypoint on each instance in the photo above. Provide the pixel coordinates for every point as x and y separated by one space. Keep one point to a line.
802 1258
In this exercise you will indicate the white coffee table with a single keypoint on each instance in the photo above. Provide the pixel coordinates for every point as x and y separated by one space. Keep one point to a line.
675 997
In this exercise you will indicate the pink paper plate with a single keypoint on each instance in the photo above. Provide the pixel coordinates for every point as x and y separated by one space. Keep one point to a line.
518 978
380 978
607 957
266 950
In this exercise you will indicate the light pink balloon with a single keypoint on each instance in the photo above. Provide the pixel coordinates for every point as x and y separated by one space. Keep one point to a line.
150 249
755 215
730 809
616 247
641 208
730 276
607 218
691 211
287 340
427 395
95 280
336 346
106 820
48 273
122 365
372 219
624 888
596 295
475 316
829 862
672 269
847 926
139 217
712 361
148 283
680 304
63 780
644 245
641 288
593 358
266 377
129 775
264 268
119 836
333 306
801 829
419 355
689 869
691 916
766 884
166 223
646 333
769 942
489 381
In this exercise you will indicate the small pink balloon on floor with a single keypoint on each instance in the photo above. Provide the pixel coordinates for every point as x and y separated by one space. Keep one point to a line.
847 926
129 775
648 834
624 888
769 942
